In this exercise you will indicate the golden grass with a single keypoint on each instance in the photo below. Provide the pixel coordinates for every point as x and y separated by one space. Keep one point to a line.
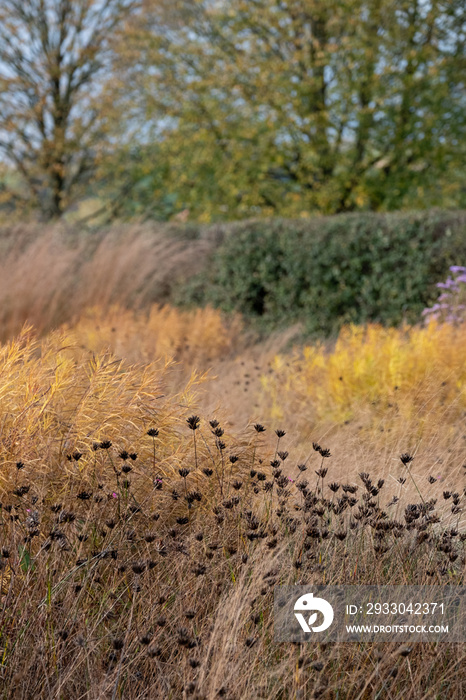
195 339
140 544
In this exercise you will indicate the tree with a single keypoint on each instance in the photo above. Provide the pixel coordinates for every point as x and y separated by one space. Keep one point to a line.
53 57
289 106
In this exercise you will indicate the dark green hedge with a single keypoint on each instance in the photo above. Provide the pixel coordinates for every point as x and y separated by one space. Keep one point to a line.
332 270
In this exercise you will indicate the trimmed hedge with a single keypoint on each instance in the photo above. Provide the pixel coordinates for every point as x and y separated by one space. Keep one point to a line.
350 268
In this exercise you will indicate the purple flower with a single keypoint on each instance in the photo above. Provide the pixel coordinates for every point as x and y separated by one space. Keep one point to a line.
450 306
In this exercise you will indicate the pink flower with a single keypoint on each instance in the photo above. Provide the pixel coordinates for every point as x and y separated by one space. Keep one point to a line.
114 495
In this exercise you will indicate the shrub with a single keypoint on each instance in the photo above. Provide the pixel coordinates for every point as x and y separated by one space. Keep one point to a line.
352 268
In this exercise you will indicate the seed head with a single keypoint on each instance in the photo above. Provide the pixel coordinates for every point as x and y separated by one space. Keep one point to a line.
139 567
153 432
193 422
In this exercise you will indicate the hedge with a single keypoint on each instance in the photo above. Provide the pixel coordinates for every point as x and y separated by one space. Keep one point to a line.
327 271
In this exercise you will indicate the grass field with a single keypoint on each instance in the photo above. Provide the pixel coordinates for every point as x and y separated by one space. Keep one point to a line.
163 470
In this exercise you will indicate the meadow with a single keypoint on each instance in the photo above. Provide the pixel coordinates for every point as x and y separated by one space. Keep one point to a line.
162 469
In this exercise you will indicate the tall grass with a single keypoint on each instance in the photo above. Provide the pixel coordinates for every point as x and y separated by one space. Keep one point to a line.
140 543
50 276
195 339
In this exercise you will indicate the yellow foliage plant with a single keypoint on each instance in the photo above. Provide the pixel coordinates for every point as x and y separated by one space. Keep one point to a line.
413 378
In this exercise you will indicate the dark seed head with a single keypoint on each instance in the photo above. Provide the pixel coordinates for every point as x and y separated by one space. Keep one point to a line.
138 567
193 422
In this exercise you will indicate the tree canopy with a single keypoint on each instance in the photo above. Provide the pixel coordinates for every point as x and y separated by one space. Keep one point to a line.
236 108
52 55
289 106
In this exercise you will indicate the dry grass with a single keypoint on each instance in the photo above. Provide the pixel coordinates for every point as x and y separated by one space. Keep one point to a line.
140 544
194 339
51 276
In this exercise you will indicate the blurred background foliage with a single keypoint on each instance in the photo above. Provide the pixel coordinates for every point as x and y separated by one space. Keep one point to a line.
210 110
